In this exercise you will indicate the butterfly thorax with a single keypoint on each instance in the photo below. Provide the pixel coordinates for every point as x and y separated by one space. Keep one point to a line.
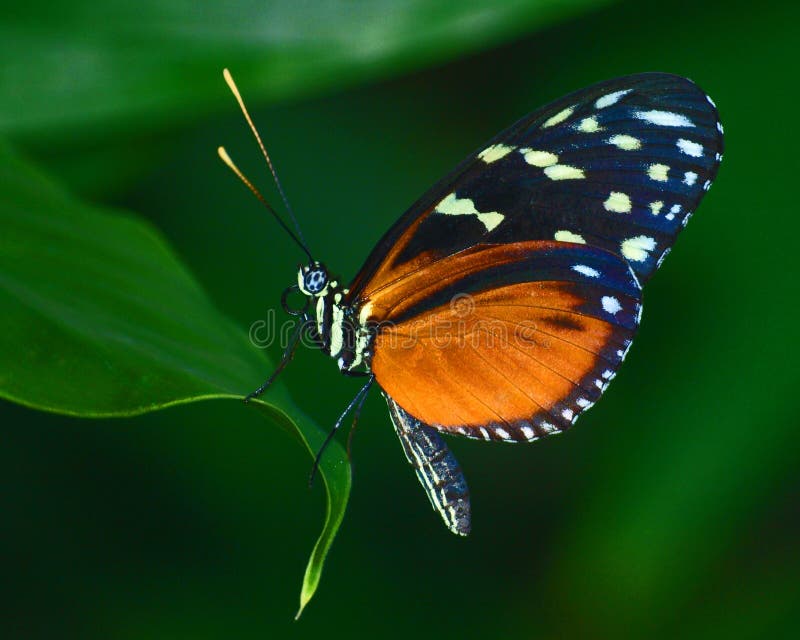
336 327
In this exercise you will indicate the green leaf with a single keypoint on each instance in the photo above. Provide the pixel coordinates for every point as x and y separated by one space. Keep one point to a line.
98 318
89 65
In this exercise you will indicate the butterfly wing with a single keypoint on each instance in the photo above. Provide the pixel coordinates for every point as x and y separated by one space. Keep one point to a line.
620 165
508 295
506 342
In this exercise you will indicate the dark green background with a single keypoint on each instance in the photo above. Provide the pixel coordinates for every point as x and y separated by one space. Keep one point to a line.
671 509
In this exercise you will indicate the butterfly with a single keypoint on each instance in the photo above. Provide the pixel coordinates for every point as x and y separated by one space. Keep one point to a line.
502 303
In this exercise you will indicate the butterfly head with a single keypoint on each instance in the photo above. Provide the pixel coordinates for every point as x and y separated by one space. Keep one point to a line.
313 279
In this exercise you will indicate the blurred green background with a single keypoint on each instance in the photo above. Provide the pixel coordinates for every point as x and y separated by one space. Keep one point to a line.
670 510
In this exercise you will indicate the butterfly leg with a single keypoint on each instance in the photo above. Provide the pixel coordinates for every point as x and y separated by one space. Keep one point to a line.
286 358
356 402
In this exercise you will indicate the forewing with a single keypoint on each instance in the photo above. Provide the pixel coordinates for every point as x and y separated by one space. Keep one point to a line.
505 342
620 165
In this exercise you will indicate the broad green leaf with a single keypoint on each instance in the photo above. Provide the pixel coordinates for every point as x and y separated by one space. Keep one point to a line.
98 318
83 64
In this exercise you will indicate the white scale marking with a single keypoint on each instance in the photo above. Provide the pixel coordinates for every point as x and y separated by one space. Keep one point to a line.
611 305
690 148
548 428
585 270
529 433
611 98
663 118
337 330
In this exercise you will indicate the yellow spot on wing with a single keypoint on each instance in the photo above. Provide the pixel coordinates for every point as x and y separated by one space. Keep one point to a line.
495 152
563 172
454 206
658 172
539 158
491 220
618 202
589 125
638 248
626 143
568 236
365 313
559 117
655 207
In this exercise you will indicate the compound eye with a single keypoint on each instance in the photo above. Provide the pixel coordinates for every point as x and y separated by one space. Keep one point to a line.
315 280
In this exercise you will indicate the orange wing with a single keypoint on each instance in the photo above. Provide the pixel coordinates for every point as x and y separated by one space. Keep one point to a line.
504 342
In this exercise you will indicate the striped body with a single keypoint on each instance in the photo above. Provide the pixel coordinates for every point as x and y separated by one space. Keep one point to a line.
339 333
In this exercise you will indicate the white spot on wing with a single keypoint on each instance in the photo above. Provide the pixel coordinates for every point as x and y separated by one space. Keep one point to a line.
618 202
611 98
495 152
539 158
529 433
502 433
655 207
585 270
563 172
689 178
567 413
663 118
568 236
583 403
454 206
690 148
485 433
548 427
610 305
637 249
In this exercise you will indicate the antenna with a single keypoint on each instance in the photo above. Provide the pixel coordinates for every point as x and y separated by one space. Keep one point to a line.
235 90
227 160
